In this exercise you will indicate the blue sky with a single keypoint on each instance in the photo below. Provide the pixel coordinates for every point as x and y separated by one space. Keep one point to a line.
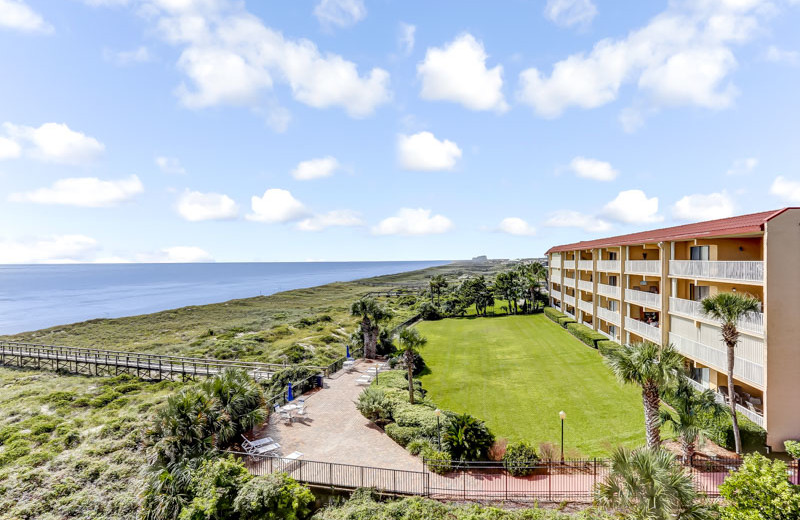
196 130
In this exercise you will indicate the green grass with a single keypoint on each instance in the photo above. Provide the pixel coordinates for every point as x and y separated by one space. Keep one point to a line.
517 372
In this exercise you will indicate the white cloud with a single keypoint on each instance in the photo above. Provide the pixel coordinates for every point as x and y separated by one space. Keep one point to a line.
231 58
335 218
423 152
195 206
315 168
406 37
341 13
122 58
55 249
699 207
570 12
569 218
682 56
185 254
633 207
777 55
88 192
55 142
409 221
743 166
786 189
170 165
276 205
457 72
16 14
516 226
593 169
9 149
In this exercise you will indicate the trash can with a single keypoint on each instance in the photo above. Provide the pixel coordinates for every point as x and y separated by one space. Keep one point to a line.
319 381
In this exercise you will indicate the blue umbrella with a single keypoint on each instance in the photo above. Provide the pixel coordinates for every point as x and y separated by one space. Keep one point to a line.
348 351
290 396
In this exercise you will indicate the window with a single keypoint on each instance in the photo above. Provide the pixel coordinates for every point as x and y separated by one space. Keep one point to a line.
612 281
612 255
612 305
698 292
698 252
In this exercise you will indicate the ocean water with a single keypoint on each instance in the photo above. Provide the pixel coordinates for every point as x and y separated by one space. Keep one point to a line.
38 296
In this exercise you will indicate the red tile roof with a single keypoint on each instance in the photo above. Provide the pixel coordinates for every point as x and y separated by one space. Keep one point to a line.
741 225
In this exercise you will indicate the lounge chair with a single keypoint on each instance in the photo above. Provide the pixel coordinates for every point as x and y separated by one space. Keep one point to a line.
258 442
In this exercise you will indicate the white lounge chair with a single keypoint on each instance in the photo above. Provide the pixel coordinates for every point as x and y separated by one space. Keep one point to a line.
258 442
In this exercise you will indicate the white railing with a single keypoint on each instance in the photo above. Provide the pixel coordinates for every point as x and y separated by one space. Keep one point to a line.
569 300
569 282
555 275
585 285
585 306
643 298
585 265
611 291
644 330
555 263
606 334
717 358
565 311
752 271
608 265
568 264
750 414
609 316
643 267
555 294
752 322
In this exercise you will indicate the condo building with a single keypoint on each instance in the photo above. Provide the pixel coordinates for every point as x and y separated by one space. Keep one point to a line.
649 285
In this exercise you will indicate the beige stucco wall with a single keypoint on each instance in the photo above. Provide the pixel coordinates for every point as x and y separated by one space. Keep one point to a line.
783 328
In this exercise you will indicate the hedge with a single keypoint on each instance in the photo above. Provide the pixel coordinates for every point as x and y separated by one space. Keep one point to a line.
402 435
585 334
553 314
606 346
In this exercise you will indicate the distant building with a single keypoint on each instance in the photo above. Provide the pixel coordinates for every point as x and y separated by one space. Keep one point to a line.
480 259
648 286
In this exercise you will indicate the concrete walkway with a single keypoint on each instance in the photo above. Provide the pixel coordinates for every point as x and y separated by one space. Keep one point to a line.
335 431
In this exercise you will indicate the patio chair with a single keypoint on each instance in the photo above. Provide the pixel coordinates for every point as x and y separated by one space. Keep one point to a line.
269 449
286 416
258 442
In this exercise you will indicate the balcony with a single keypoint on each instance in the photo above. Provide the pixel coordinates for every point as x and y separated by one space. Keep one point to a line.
640 328
569 300
555 275
569 282
565 311
585 306
752 323
585 285
643 298
585 265
651 267
555 263
753 415
611 266
612 317
610 291
750 272
555 294
568 264
717 358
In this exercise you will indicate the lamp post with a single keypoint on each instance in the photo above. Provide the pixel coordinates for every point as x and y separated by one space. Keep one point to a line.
438 429
562 416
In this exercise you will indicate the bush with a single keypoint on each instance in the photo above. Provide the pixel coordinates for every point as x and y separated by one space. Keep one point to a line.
273 497
429 312
374 405
402 435
566 320
553 314
720 431
760 491
606 346
585 334
793 449
418 446
438 461
419 416
215 486
520 458
467 438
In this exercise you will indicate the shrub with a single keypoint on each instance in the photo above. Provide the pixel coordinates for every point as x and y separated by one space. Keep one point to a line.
402 435
420 416
40 424
13 450
215 486
373 404
429 312
437 461
606 346
793 449
566 320
553 314
585 334
60 398
418 446
273 497
103 399
520 458
760 491
467 438
720 431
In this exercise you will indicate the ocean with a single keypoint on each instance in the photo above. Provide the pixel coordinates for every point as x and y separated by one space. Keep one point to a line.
37 296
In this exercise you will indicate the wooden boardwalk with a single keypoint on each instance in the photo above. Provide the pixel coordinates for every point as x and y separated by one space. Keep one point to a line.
97 362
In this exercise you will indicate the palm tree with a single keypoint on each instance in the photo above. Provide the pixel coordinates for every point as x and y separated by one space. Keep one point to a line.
729 308
653 368
648 484
690 409
371 314
181 428
237 405
410 341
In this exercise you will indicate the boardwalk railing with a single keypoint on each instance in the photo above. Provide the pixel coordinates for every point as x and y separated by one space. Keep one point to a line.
91 361
548 480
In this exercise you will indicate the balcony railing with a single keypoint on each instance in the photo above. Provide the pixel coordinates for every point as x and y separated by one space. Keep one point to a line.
585 306
569 282
750 414
608 265
717 358
568 264
752 271
643 298
642 329
606 334
610 291
585 265
565 311
752 322
609 316
555 294
585 285
555 275
555 263
569 300
643 267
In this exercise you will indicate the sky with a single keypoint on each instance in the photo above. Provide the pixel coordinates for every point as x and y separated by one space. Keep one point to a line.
333 130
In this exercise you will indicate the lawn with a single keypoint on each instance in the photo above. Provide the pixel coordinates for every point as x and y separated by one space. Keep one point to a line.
517 372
